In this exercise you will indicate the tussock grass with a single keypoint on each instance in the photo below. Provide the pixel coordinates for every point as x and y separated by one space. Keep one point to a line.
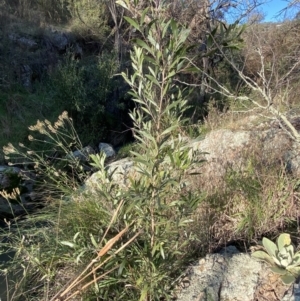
249 201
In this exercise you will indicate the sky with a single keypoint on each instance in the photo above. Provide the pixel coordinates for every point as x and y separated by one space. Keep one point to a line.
271 8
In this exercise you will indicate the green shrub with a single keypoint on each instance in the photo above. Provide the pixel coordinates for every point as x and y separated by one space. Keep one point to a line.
90 19
84 89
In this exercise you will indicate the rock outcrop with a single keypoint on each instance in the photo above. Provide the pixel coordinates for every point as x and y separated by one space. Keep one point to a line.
42 53
224 148
234 276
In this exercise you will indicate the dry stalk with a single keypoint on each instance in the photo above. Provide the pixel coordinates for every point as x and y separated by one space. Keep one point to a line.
79 279
99 266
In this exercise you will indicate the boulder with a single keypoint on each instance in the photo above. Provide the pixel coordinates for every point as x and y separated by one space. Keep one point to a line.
41 52
119 172
59 39
83 154
292 159
226 149
235 276
107 149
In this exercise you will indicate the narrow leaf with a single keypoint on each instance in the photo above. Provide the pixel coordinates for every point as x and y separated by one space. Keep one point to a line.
143 45
132 23
143 16
93 240
174 28
168 130
165 28
294 270
153 79
68 243
122 3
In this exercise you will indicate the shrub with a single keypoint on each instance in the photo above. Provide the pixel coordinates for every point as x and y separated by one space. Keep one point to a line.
84 89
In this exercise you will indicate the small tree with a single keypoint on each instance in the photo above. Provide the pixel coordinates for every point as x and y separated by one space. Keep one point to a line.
158 200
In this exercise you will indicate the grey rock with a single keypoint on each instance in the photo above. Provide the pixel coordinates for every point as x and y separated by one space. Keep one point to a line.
225 149
292 159
222 277
107 149
119 172
234 276
82 154
293 294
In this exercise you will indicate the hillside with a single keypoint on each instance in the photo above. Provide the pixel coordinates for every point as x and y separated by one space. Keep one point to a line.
137 139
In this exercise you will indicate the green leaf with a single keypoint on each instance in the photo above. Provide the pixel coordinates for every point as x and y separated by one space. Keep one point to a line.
214 31
122 3
69 244
154 43
143 45
150 59
148 136
183 35
290 250
93 240
278 270
171 74
169 130
174 28
263 256
283 240
209 41
146 110
296 259
153 79
270 246
287 279
162 253
166 26
143 16
154 73
75 236
295 270
133 23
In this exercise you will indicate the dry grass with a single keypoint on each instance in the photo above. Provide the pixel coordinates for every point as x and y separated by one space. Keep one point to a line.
78 285
247 201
